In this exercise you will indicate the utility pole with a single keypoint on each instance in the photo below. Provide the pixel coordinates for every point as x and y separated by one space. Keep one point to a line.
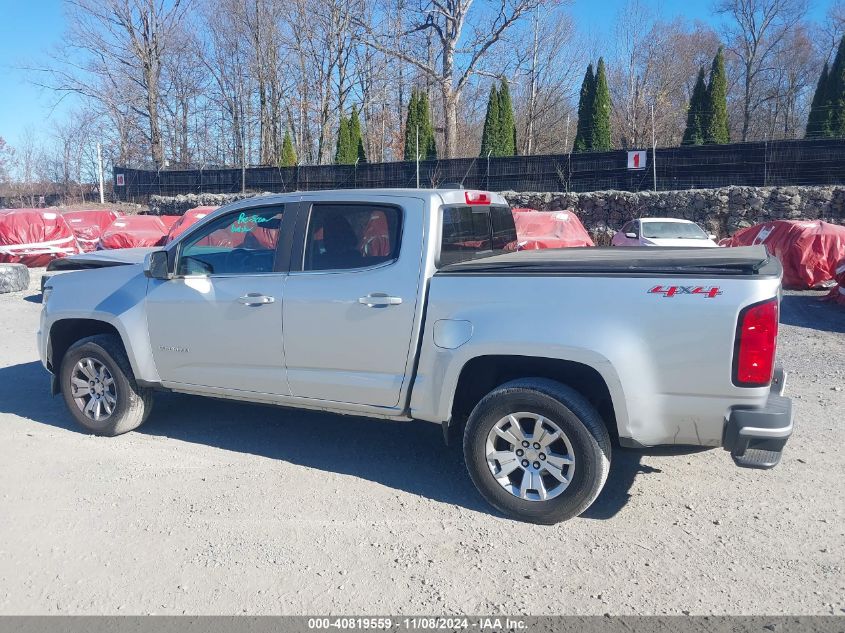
417 148
100 166
653 149
487 184
566 135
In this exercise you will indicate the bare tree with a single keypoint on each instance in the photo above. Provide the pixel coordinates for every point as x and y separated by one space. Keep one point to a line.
755 30
546 81
655 64
119 43
460 50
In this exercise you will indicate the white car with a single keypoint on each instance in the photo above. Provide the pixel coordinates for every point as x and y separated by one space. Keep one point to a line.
662 232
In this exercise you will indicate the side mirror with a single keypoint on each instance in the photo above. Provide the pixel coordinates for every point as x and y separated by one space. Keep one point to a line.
631 235
712 237
156 266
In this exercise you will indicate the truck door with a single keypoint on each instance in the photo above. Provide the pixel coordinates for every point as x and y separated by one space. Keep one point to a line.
218 322
350 301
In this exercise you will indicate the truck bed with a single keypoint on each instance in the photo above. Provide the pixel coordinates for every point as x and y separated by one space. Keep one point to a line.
740 261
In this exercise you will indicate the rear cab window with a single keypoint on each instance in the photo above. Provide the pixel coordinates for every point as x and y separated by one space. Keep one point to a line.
472 232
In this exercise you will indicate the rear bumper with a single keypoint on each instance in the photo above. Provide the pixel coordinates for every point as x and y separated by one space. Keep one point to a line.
756 437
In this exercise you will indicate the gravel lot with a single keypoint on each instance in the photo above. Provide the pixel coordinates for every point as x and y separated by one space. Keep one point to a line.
219 508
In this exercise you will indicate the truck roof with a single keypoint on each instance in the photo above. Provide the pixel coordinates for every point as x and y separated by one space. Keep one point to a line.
448 195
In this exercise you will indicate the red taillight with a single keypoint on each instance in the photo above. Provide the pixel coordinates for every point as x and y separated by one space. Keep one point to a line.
754 348
478 197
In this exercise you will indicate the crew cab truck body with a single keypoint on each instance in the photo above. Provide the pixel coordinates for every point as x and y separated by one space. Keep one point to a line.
411 304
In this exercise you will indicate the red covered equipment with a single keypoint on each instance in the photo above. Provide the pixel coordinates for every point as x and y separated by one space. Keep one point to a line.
134 231
35 237
186 221
808 250
549 229
88 226
837 293
169 220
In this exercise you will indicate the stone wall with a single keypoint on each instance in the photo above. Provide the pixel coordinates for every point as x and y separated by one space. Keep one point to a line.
719 211
177 205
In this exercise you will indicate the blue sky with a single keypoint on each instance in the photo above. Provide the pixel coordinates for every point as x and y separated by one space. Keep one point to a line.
30 28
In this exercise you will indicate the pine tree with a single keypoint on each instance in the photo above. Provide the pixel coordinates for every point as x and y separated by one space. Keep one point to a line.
288 158
411 122
583 134
490 134
600 119
694 134
835 101
716 125
428 146
818 121
344 153
356 138
507 122
419 120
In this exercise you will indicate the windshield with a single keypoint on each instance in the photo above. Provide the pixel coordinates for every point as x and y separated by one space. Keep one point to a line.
673 231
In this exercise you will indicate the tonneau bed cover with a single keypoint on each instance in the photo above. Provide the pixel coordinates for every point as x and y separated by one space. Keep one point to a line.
746 260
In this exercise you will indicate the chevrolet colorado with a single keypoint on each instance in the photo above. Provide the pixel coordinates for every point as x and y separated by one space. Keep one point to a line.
416 305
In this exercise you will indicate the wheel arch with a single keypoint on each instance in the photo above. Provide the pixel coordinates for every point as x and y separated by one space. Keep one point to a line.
65 332
481 374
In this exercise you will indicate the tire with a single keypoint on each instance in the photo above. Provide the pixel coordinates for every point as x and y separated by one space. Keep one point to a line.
581 450
131 403
13 278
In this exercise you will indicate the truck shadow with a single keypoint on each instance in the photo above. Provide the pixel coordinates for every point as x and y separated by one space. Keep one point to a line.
407 456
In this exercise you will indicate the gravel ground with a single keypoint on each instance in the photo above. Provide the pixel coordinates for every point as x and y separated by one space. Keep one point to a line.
219 508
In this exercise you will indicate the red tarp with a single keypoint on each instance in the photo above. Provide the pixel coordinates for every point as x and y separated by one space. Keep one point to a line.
169 220
549 229
35 237
88 226
191 217
808 250
133 231
837 293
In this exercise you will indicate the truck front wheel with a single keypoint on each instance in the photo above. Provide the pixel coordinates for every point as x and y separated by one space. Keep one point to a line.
537 450
99 387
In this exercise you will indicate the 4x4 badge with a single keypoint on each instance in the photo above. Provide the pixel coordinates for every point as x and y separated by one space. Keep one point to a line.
708 292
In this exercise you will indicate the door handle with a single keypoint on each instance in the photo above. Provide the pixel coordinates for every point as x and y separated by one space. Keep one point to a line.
255 299
379 300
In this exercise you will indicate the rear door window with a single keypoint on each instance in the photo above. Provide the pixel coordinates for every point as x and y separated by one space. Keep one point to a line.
350 236
471 232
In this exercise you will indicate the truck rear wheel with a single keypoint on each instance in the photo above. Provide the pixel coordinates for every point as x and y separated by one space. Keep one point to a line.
537 450
99 387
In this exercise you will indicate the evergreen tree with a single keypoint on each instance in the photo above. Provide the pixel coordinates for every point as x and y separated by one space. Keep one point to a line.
583 134
600 119
694 134
507 123
345 153
818 121
419 119
288 158
716 125
428 146
835 95
411 122
356 138
490 134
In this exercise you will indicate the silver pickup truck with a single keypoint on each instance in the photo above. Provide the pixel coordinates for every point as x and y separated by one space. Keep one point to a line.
416 305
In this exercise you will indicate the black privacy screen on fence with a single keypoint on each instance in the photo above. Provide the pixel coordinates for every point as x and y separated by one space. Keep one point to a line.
776 163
